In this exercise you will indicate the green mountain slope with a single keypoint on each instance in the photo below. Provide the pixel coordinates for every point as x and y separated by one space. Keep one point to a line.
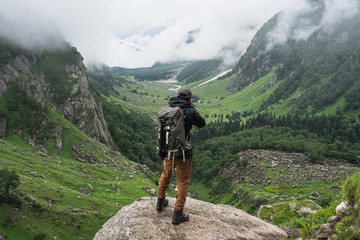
159 71
56 138
73 197
319 70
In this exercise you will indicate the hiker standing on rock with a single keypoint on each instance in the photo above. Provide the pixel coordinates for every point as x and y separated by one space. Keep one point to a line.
175 123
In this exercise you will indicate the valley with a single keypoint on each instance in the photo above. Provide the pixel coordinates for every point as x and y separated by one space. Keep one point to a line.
282 135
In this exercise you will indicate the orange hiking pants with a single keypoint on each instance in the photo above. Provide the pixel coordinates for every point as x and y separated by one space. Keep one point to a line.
183 169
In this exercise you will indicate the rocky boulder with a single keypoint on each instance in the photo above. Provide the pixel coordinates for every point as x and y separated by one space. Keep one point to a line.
343 210
140 220
325 232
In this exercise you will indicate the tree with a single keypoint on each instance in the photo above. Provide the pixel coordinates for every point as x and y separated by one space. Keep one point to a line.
8 179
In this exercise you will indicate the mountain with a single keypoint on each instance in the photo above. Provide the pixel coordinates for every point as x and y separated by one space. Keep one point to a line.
315 66
159 71
54 78
185 72
282 124
58 140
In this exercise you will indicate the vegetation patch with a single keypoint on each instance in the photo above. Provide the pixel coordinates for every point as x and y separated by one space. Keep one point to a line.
279 189
283 212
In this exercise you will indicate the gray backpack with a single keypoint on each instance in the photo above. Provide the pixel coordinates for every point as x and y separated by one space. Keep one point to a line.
171 140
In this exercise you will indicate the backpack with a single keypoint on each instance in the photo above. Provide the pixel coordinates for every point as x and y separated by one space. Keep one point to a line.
170 133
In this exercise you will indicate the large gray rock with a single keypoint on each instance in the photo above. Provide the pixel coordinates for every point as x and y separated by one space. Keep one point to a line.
342 210
140 220
325 232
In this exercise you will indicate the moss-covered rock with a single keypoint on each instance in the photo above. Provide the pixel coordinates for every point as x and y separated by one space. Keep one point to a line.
280 213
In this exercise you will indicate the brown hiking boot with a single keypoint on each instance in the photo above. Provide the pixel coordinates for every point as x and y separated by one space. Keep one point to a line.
179 217
161 203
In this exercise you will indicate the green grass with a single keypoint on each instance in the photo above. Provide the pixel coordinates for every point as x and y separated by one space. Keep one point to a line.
281 213
63 178
200 189
149 98
247 99
213 90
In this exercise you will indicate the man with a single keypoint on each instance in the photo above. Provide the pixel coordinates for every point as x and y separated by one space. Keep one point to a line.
183 167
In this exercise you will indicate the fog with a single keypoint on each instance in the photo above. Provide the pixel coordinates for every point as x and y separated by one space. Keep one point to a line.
138 33
290 25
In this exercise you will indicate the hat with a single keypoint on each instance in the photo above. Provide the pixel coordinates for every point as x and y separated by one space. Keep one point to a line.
184 93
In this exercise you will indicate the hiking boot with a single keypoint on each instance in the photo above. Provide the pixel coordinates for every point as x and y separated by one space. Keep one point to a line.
179 217
161 203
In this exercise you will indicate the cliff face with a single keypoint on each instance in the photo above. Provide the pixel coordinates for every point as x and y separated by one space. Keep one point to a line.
16 66
59 77
140 220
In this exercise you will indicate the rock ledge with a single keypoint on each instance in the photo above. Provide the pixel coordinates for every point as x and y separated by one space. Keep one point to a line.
140 220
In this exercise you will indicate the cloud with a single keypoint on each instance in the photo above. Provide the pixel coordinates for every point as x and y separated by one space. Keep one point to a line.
337 11
26 30
134 33
299 23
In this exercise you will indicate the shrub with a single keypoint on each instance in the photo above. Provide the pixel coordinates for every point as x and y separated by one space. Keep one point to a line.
351 189
242 162
348 234
323 215
8 179
40 236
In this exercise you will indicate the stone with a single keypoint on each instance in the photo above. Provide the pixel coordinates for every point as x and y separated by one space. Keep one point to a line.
150 190
30 199
255 202
51 200
2 238
91 187
325 232
145 169
292 206
43 176
293 233
342 210
306 211
334 219
84 191
315 194
49 206
140 220
76 210
33 174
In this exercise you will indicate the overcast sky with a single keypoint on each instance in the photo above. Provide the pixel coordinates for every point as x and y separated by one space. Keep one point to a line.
137 33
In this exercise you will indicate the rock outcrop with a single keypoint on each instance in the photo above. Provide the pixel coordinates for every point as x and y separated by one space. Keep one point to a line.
45 75
290 169
140 220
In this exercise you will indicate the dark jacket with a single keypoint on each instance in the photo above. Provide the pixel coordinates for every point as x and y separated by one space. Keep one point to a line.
192 117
